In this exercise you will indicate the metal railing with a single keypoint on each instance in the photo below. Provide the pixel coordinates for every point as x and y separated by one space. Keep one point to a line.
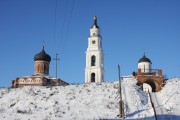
149 71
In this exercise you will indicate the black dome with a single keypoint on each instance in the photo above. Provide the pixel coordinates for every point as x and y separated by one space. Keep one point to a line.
144 59
42 56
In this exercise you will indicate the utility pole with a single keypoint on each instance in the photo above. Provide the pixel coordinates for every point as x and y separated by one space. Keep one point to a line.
56 64
121 103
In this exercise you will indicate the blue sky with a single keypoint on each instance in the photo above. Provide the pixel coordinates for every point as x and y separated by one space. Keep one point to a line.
128 28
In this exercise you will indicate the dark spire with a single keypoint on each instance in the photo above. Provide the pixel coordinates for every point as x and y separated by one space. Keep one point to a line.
144 55
43 48
95 22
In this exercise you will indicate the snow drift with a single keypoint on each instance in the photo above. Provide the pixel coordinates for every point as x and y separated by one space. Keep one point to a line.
85 101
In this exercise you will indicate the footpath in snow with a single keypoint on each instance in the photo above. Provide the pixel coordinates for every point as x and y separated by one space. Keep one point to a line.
167 101
137 102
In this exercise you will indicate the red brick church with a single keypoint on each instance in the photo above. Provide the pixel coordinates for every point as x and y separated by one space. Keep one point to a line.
152 77
41 74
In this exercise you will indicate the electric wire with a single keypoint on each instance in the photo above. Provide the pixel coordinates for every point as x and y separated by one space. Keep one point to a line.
64 31
55 22
63 26
68 26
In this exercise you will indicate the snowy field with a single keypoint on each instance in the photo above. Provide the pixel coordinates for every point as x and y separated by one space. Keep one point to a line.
87 101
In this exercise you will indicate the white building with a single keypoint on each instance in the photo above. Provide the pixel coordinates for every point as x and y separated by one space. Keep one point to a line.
94 71
144 64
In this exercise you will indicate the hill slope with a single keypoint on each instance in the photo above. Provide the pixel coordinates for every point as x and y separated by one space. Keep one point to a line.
70 102
167 101
86 101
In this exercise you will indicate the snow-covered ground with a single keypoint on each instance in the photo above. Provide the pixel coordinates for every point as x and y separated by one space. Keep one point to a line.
137 102
167 101
85 101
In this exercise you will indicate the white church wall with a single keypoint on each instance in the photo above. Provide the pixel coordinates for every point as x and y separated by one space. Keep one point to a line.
145 67
94 32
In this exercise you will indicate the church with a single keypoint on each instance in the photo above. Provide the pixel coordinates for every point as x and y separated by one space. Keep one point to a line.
148 78
41 73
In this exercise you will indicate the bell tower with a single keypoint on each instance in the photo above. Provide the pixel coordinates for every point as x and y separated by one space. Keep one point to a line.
94 71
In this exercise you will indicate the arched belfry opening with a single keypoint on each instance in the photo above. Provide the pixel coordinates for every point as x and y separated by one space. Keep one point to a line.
93 60
152 84
93 75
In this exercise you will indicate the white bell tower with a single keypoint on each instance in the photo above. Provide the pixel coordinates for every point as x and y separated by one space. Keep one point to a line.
94 71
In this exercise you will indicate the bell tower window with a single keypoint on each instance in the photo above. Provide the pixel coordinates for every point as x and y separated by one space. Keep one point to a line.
93 77
93 60
93 42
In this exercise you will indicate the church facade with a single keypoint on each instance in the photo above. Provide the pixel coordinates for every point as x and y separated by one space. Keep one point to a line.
94 70
148 78
41 74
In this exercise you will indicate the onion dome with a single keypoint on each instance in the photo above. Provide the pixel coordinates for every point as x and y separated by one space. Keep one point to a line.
144 59
42 56
95 23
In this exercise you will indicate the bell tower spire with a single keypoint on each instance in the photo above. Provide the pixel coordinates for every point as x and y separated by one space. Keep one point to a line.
94 71
95 22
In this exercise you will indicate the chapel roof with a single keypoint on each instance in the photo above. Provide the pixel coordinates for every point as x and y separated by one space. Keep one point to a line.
42 56
144 59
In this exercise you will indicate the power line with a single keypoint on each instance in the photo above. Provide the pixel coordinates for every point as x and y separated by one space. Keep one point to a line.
63 25
54 31
69 7
68 25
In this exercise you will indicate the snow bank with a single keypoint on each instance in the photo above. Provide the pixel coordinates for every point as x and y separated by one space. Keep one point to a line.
169 98
86 101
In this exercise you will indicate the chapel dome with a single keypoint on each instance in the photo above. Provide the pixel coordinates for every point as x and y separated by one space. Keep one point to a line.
144 59
42 56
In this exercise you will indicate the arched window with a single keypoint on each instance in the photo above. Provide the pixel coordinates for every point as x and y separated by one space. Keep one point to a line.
45 68
93 75
93 60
